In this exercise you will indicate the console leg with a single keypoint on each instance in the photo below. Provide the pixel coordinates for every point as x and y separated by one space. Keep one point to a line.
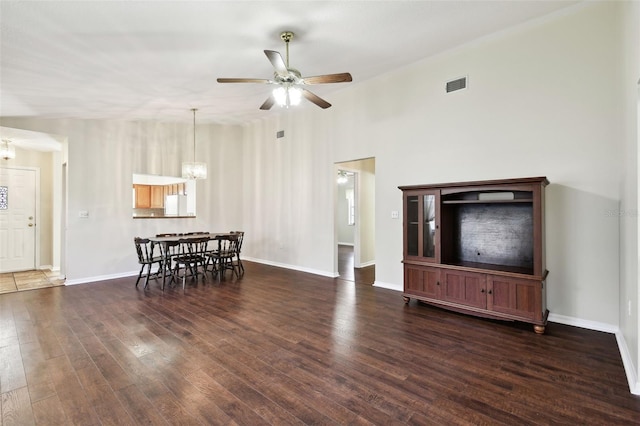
539 329
406 299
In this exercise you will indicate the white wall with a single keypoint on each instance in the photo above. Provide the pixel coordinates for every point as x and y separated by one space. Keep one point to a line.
367 212
345 231
629 295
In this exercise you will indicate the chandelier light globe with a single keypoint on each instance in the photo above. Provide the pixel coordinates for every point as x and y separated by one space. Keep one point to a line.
194 170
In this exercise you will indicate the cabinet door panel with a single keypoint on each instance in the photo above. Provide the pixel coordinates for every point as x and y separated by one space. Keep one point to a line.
514 297
143 196
157 197
465 288
422 281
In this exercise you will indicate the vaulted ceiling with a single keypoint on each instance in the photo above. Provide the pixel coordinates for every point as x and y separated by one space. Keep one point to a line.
154 60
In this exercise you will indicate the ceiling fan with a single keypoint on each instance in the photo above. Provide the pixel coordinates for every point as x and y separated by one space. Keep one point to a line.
290 83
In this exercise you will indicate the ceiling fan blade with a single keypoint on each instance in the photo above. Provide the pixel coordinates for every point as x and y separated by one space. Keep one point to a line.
344 77
315 99
242 80
278 63
268 103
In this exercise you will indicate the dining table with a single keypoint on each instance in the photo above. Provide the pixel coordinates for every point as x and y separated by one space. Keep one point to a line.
165 240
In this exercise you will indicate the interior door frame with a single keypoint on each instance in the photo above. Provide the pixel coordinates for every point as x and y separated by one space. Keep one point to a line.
36 246
356 232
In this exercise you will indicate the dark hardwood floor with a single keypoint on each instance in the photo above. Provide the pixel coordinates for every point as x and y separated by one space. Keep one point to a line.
286 347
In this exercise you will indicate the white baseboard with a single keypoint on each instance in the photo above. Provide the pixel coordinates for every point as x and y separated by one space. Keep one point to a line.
365 264
630 371
388 286
45 268
249 259
582 323
346 244
293 267
627 361
100 278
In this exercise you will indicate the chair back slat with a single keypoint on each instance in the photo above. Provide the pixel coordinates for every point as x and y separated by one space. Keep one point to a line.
144 249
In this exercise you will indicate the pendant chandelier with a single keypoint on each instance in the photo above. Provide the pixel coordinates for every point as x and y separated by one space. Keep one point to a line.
7 151
194 170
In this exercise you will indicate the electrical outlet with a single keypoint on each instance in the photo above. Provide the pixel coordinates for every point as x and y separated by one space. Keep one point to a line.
83 214
395 214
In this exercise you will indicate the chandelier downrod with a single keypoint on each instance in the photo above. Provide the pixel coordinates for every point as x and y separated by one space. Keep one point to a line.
194 133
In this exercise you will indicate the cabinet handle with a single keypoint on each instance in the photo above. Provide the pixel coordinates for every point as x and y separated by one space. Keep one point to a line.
482 290
437 282
489 292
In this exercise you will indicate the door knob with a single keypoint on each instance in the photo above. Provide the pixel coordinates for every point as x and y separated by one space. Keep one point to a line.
31 224
30 217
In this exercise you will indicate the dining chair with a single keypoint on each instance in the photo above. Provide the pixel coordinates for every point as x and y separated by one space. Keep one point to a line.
221 259
240 235
190 257
145 250
169 250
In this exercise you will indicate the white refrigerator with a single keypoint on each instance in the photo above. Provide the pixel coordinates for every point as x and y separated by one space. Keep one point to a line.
175 205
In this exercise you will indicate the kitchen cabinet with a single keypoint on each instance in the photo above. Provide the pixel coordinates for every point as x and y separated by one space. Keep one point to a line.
143 196
149 196
157 196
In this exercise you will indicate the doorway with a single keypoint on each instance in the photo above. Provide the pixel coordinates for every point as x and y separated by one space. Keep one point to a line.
18 207
42 154
354 217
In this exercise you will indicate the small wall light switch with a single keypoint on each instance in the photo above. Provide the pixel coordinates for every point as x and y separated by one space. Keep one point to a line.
395 214
83 214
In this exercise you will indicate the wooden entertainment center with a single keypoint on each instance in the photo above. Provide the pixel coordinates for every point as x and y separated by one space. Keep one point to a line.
478 248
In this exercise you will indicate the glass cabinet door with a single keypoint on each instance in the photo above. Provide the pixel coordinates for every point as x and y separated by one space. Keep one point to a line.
421 225
428 225
413 222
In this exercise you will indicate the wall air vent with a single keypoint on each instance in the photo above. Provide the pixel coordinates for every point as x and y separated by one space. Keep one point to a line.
457 84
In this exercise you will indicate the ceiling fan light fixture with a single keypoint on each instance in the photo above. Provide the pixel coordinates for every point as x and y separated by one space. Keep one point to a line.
295 94
7 151
286 96
194 170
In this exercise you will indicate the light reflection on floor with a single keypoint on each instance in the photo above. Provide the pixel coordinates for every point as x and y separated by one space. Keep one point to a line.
345 323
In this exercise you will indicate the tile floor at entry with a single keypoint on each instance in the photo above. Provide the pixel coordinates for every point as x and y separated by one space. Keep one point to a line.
29 280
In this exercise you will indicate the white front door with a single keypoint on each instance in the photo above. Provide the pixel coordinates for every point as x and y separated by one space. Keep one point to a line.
17 219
